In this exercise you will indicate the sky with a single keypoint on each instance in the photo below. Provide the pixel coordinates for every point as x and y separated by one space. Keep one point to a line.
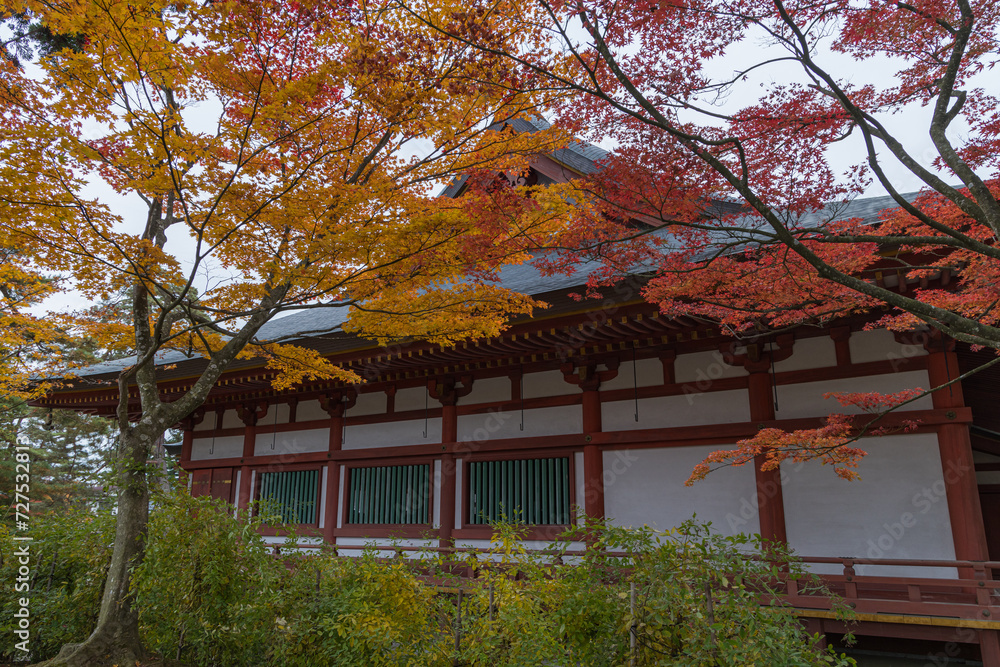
877 72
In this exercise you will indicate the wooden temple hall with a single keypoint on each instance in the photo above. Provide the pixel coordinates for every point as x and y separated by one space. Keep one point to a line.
604 408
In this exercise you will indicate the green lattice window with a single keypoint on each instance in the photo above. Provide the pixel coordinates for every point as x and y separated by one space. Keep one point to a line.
532 491
291 495
389 495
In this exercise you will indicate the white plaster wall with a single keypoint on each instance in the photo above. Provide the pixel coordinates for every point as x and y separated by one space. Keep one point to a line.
436 495
284 409
292 442
703 367
486 545
207 423
228 447
898 509
806 399
414 398
717 407
458 493
880 345
278 540
384 546
489 390
373 403
322 496
308 411
230 419
816 352
648 373
497 425
549 383
646 487
392 434
343 499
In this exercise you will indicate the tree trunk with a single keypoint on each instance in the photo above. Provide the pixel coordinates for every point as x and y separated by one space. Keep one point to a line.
115 640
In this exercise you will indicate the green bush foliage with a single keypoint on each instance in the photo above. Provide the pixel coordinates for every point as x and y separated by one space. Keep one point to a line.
69 554
211 592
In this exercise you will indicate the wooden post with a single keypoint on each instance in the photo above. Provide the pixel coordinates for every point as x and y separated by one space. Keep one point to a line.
955 446
989 647
336 405
448 392
250 414
447 500
593 458
333 480
770 502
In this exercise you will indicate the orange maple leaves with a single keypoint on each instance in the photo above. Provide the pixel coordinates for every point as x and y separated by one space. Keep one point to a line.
829 443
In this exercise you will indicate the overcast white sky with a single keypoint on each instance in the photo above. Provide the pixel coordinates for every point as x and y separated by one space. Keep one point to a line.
912 124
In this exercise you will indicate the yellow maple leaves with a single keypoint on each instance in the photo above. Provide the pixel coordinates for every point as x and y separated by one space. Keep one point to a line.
284 154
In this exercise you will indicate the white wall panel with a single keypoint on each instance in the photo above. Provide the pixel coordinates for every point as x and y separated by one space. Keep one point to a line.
549 383
392 434
372 403
230 419
880 345
414 398
384 546
207 423
898 509
497 425
648 373
229 447
717 407
436 495
489 390
308 411
292 442
703 367
646 487
806 399
816 352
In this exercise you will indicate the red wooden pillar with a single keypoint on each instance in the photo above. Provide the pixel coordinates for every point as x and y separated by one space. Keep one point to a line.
449 434
336 405
593 458
250 414
955 446
770 502
448 391
336 441
989 647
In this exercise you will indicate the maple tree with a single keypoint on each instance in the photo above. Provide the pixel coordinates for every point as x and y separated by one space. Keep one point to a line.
736 162
279 156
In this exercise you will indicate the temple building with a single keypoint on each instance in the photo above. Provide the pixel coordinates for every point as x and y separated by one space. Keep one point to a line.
603 407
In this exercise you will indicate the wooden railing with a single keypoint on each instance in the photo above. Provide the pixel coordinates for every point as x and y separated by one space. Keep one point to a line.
973 594
966 590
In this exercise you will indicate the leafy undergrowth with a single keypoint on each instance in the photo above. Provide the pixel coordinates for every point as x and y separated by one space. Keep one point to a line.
211 592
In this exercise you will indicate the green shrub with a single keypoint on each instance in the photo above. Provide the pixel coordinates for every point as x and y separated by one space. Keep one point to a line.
208 588
359 611
210 591
70 550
